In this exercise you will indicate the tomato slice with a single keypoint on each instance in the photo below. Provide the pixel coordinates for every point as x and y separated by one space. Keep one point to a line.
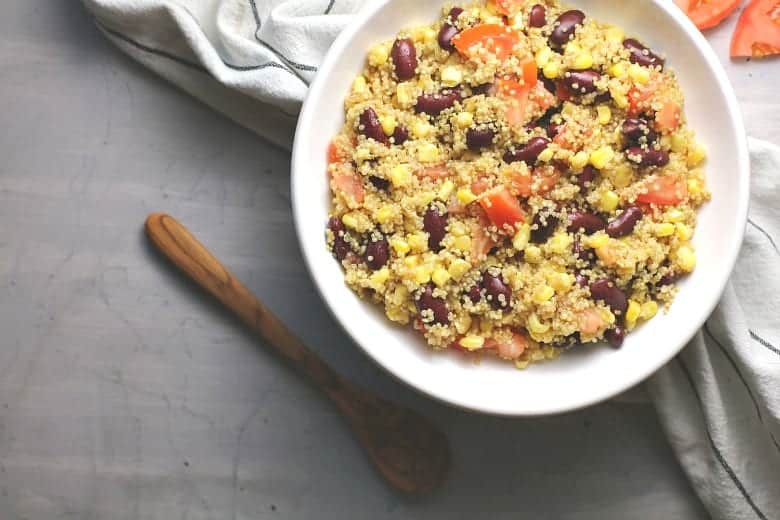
707 13
668 118
502 208
666 190
639 97
758 30
516 94
496 39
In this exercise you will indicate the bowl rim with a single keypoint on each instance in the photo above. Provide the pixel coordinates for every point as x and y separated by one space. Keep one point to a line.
298 166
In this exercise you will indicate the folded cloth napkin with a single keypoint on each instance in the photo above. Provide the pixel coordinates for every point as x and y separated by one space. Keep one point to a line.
719 401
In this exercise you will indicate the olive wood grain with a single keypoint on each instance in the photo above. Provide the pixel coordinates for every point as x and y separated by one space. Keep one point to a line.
404 447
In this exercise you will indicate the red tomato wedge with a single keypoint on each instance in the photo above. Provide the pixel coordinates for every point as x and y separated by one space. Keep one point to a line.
346 180
502 208
666 190
758 30
707 13
516 94
496 39
639 97
668 118
508 7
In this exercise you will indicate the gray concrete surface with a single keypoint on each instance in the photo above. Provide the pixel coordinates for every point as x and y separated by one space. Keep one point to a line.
126 394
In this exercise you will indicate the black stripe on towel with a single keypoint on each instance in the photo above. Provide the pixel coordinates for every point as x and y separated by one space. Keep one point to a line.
330 6
295 64
716 451
744 382
764 342
767 235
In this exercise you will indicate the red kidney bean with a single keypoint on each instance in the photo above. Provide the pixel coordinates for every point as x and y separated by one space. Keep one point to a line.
581 81
624 223
581 280
570 341
400 135
529 152
564 27
549 84
379 183
606 291
543 226
483 89
589 222
647 156
615 336
377 253
435 224
604 97
475 294
537 16
404 58
479 137
340 246
585 178
435 104
641 55
498 294
371 127
454 13
582 252
667 279
446 34
637 131
553 129
426 301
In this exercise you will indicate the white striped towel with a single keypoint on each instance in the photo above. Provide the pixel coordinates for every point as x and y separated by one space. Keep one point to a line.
719 401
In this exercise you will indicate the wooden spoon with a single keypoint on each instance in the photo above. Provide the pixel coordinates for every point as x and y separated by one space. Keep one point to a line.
403 446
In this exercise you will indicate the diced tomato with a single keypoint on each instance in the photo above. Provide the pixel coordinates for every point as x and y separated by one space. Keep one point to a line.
707 13
525 185
639 97
333 153
516 96
495 38
349 183
590 322
481 242
480 185
502 208
563 138
530 72
508 7
668 118
758 30
520 184
542 97
511 349
437 172
665 190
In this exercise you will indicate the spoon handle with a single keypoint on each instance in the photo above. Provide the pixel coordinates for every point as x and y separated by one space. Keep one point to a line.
406 449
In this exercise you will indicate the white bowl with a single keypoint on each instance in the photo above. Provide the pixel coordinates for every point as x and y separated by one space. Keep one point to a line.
580 377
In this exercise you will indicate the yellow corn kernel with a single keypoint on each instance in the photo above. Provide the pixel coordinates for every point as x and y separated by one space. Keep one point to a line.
404 94
400 175
428 153
686 258
609 201
694 186
615 34
639 73
572 48
384 214
522 236
621 176
378 55
445 190
451 76
546 155
463 323
684 232
620 99
582 61
462 243
617 70
472 342
560 242
632 314
649 309
458 268
362 154
664 229
604 114
666 142
601 157
400 246
543 56
542 294
424 198
533 254
411 261
674 215
359 86
465 196
535 326
388 124
422 274
678 142
422 129
350 220
597 240
696 155
440 276
464 119
561 282
418 241
552 70
378 278
458 228
579 160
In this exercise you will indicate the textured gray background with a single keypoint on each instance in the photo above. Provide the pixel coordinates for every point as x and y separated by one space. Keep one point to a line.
125 394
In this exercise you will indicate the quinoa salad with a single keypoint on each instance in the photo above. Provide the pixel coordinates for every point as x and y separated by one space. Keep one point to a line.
516 178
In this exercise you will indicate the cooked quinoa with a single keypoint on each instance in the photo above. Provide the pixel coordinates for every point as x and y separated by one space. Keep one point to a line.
515 178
